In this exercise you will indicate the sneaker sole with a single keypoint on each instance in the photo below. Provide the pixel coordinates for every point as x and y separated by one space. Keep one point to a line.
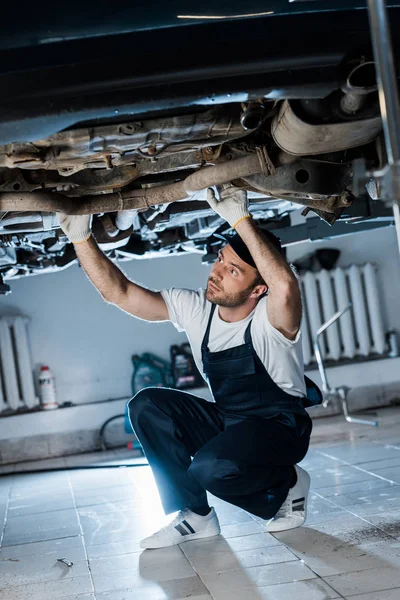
283 528
286 527
188 538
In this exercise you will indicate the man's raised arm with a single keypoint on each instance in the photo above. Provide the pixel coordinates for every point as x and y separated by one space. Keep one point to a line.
107 278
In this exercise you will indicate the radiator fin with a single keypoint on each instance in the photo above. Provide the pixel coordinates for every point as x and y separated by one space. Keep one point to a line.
17 388
359 332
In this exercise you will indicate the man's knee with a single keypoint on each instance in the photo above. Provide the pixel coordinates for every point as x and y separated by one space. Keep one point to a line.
138 405
152 397
214 473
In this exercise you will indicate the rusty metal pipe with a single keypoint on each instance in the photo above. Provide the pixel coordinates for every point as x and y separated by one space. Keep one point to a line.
136 199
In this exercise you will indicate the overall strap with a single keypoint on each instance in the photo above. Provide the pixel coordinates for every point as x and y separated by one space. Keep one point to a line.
247 334
206 338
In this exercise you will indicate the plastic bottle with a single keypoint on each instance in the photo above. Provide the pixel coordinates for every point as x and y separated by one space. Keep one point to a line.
47 389
184 369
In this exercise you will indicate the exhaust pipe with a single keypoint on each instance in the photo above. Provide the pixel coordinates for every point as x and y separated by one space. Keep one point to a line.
360 82
142 198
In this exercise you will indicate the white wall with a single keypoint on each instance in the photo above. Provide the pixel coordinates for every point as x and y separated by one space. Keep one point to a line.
379 247
88 344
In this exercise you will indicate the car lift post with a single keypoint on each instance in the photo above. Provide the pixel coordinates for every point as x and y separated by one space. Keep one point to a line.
389 176
335 393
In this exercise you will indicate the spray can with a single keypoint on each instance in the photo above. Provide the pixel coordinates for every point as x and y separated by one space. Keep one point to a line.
47 389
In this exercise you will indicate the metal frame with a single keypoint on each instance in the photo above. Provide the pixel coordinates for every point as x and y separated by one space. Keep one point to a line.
341 392
389 177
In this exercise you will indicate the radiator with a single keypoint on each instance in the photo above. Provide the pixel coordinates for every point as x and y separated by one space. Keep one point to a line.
17 388
360 331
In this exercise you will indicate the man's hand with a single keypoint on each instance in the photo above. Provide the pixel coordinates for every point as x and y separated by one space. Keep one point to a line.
76 227
232 204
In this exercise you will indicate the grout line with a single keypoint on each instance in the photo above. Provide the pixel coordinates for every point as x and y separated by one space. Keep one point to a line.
41 541
361 469
303 560
366 593
365 518
82 534
194 571
42 512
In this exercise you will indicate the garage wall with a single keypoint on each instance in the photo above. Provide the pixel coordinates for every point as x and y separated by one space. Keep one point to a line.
379 247
373 383
87 343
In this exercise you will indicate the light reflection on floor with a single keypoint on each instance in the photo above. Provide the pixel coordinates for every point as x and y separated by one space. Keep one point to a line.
349 548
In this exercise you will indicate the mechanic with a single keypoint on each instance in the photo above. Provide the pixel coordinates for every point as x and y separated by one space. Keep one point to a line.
244 331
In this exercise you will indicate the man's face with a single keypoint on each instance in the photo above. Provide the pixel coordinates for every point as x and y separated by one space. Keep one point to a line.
231 281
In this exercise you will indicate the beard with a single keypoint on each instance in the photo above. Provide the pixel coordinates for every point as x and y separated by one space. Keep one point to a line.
226 300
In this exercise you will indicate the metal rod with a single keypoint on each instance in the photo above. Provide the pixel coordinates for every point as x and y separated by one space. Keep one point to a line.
334 318
386 76
388 97
396 212
342 391
317 349
321 366
343 396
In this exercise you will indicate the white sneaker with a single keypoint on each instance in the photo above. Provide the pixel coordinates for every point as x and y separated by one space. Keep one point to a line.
186 526
293 511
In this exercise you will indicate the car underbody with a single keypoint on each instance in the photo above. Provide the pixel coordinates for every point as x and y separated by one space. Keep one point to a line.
143 174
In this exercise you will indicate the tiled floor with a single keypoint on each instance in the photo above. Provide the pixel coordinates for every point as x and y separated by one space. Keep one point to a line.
349 548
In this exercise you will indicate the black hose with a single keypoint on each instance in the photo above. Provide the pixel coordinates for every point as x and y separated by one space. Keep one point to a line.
77 468
103 444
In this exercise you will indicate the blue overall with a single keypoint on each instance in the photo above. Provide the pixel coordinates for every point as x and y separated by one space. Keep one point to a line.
243 446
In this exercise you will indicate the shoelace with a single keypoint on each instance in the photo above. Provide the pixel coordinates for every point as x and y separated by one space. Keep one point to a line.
178 519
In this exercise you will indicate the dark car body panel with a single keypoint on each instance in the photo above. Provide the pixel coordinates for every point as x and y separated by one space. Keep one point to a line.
69 63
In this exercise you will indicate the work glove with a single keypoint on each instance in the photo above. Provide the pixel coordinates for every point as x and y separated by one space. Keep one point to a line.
77 228
232 204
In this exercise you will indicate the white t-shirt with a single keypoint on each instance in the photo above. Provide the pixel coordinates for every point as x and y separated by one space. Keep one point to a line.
283 359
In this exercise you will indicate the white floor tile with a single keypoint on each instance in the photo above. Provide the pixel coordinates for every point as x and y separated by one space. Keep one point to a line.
355 558
375 465
229 531
365 496
113 549
360 582
340 489
130 570
231 561
230 517
333 536
26 506
196 548
80 597
311 589
384 595
390 523
382 506
61 547
230 581
188 588
39 568
48 590
320 510
358 557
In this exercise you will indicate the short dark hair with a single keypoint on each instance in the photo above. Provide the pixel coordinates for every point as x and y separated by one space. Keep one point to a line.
238 245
